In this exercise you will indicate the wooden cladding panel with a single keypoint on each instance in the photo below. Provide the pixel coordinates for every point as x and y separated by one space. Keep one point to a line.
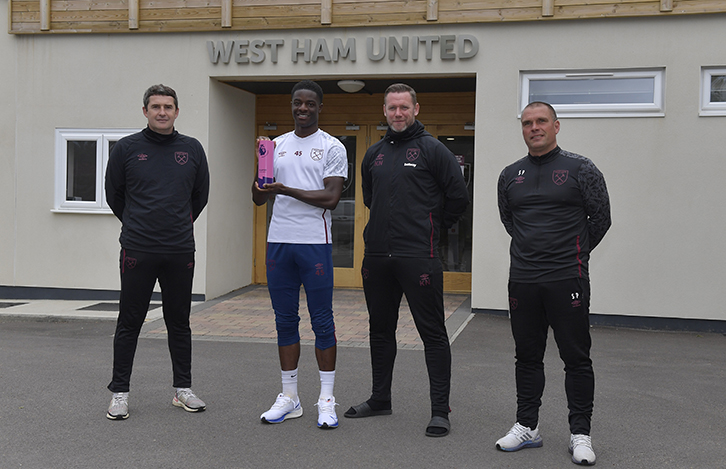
364 109
206 15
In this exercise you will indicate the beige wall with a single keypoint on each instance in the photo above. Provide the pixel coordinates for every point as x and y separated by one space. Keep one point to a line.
87 82
232 167
661 258
8 73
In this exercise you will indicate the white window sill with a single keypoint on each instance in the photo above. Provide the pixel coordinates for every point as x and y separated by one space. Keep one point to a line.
84 211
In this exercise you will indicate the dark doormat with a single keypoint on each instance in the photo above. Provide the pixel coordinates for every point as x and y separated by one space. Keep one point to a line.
111 307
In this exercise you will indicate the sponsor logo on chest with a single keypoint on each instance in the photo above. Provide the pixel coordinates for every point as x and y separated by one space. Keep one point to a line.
520 177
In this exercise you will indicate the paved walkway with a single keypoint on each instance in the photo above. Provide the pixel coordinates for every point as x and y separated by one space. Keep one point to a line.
247 315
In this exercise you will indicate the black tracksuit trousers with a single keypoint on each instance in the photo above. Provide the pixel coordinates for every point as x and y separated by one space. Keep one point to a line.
385 280
139 273
564 306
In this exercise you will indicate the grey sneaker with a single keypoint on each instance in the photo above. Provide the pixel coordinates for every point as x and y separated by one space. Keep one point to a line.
119 407
186 399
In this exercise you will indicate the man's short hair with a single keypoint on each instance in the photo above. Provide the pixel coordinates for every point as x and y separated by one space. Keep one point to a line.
542 103
159 90
308 85
400 88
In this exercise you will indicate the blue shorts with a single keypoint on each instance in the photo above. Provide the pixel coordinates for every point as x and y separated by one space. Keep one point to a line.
310 265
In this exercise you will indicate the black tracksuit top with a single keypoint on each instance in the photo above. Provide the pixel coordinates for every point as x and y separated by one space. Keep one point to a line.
556 209
414 187
157 185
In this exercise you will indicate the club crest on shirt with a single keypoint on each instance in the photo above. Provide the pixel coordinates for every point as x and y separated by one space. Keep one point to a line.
379 160
181 157
412 154
559 176
316 154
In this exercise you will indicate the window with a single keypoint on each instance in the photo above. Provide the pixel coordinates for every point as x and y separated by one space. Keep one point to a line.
713 91
632 93
81 157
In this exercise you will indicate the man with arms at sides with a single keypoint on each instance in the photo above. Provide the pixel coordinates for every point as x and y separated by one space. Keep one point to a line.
414 188
157 184
310 167
555 206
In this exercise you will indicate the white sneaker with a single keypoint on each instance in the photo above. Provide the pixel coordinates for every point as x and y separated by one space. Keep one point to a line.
119 407
519 437
283 408
327 418
581 449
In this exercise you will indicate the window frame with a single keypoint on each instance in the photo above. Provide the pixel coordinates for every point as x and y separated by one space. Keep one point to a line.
707 107
102 137
654 109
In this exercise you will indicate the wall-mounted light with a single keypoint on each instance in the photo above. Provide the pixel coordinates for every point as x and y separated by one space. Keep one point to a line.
469 126
270 126
351 126
351 86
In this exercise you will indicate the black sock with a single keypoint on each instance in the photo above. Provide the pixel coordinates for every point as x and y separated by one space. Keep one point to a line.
379 405
438 413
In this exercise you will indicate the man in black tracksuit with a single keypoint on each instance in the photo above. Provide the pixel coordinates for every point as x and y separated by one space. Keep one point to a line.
157 184
414 188
555 206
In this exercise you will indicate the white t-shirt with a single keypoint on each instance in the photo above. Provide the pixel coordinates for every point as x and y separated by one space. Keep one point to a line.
303 163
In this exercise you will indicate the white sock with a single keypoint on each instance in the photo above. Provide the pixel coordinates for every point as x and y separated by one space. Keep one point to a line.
289 383
327 381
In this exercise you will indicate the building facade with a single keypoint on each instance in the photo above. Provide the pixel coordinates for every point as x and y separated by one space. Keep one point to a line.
639 87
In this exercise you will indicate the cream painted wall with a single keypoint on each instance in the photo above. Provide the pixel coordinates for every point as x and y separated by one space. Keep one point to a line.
661 258
8 74
89 82
232 168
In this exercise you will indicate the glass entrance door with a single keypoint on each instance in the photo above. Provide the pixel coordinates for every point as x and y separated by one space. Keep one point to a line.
351 216
455 243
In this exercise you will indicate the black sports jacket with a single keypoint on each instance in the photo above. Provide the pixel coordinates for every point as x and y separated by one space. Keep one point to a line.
414 188
556 209
157 185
